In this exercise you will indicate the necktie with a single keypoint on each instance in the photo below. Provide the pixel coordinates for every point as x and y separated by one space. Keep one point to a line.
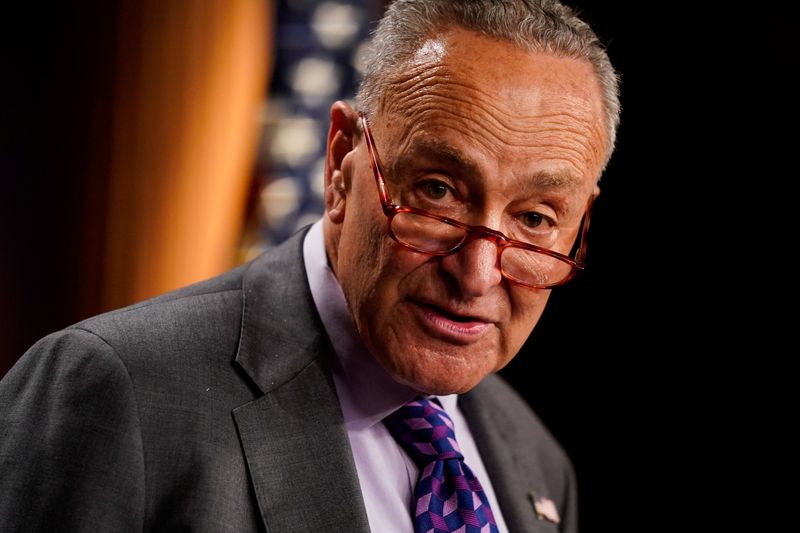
449 498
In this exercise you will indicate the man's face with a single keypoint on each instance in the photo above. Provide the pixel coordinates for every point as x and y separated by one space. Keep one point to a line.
485 133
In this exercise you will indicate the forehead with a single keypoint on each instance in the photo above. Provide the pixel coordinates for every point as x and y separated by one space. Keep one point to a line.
498 101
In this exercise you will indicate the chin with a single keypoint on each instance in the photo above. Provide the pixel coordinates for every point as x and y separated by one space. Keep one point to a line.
444 389
432 366
445 386
440 378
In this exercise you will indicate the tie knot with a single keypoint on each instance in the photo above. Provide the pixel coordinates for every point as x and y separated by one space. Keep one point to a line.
425 432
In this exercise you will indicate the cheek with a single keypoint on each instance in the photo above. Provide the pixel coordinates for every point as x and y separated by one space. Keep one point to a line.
376 301
393 270
372 266
527 307
361 262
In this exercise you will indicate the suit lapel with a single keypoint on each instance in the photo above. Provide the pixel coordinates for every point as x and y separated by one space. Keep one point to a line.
293 437
299 458
511 482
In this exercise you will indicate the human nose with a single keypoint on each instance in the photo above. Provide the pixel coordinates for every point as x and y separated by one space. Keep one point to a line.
474 267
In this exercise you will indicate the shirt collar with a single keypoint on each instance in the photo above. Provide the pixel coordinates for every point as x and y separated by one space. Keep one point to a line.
367 393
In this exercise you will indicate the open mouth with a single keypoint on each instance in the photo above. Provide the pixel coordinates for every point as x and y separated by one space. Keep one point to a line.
451 316
452 327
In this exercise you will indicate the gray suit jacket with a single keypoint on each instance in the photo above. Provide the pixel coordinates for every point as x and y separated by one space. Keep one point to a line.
212 408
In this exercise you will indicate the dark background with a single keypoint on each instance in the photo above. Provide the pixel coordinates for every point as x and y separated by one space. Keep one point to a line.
668 371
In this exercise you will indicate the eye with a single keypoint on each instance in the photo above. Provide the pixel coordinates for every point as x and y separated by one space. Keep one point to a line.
434 189
532 219
536 228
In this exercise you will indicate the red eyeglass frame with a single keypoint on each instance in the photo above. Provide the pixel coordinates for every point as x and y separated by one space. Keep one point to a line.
473 232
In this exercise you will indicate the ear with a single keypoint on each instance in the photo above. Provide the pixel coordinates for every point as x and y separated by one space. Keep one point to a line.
342 137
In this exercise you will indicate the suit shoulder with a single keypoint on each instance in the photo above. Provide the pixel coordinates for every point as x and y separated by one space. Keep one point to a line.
70 430
210 308
74 355
186 296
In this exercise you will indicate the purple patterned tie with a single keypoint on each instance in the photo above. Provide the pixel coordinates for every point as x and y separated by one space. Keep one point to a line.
449 497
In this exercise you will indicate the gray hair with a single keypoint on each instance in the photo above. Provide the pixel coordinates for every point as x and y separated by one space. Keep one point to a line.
535 25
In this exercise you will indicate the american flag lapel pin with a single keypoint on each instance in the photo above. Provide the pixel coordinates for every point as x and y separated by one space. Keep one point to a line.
545 508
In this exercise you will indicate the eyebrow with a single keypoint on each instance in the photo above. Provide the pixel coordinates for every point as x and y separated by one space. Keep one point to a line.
450 156
549 180
440 151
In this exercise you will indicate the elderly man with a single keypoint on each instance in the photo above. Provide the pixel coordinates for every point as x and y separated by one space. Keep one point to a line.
344 380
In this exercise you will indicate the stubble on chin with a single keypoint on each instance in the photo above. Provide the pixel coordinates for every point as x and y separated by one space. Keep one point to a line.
432 369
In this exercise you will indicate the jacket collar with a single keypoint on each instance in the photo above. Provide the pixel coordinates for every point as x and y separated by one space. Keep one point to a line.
515 479
281 332
293 437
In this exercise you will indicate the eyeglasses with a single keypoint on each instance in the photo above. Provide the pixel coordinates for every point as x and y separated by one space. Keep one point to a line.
427 233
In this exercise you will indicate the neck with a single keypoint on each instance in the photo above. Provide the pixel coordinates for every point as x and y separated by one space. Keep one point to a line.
331 235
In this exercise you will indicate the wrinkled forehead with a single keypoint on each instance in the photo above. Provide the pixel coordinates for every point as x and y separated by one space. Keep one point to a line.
513 102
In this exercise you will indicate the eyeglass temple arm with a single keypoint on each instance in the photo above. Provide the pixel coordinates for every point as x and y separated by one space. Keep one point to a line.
580 254
375 161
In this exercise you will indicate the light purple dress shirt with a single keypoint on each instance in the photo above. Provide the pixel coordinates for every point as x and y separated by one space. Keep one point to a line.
367 395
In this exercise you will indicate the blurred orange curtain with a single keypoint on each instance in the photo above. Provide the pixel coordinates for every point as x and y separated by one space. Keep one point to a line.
190 81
